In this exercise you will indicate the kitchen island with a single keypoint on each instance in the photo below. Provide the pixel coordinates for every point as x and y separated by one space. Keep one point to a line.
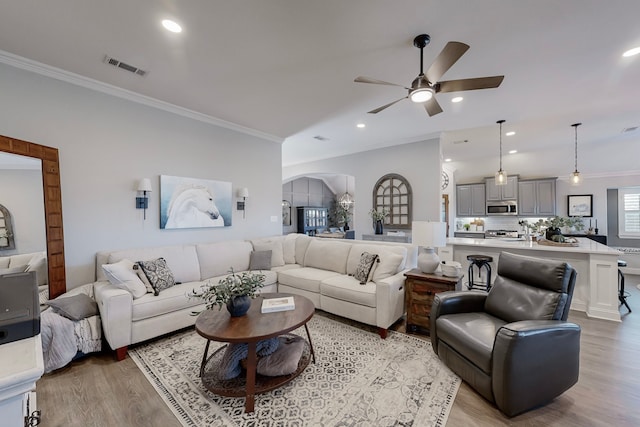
596 291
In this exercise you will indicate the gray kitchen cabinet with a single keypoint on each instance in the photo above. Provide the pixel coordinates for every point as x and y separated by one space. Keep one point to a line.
470 200
537 197
509 191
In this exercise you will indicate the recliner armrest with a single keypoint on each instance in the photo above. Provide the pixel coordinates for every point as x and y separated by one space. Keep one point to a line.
533 362
451 302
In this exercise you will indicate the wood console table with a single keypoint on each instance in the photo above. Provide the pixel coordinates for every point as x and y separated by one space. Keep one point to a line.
420 289
218 325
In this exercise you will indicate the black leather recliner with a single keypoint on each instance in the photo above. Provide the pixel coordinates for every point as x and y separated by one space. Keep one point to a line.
513 345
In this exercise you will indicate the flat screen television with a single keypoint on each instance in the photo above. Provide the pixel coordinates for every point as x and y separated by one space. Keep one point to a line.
19 307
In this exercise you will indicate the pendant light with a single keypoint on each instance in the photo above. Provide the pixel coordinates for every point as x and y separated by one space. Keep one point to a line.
501 176
346 200
575 177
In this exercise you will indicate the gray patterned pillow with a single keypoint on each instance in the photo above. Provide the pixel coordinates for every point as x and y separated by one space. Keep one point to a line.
158 273
364 267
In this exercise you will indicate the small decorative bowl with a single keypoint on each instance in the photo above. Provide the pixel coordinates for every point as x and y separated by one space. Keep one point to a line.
451 269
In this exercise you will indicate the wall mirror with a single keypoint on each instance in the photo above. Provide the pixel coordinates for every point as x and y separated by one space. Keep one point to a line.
52 206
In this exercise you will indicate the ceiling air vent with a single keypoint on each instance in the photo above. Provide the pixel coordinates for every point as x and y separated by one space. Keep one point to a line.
117 63
631 129
461 141
320 138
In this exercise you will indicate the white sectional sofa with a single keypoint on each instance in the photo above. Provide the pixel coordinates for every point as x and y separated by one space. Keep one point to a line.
316 268
35 261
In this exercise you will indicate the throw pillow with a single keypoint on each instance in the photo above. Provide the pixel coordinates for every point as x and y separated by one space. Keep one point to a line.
121 275
388 266
364 267
284 360
76 307
158 273
260 260
276 248
143 278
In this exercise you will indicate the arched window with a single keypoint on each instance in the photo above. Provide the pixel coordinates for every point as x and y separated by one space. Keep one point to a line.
6 230
393 193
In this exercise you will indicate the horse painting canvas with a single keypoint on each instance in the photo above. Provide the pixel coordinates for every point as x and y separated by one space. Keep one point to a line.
194 203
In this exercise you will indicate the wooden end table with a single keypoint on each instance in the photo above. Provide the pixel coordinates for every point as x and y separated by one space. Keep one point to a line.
218 325
420 289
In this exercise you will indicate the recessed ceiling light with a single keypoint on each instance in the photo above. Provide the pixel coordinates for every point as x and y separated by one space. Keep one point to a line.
447 160
360 125
513 151
510 133
171 26
457 99
631 52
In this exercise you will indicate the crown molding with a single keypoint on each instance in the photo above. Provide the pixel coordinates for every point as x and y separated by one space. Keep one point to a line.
88 83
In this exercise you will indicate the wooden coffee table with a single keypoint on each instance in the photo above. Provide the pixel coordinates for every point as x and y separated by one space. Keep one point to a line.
218 325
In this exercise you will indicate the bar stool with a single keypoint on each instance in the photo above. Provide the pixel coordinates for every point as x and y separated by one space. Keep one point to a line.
621 295
480 261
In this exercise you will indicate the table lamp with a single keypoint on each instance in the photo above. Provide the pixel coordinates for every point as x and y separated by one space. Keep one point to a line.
428 235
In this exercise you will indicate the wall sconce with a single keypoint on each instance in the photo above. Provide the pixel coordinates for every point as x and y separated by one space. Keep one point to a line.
144 187
243 193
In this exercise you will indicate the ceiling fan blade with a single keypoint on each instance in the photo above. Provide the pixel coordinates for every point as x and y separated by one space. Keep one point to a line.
377 110
469 84
432 107
362 79
449 55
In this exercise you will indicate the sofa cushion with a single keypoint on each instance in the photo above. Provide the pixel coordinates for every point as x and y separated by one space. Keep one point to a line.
472 335
168 301
327 255
302 243
216 259
122 275
158 273
289 248
11 270
306 278
22 259
348 288
181 259
271 244
363 270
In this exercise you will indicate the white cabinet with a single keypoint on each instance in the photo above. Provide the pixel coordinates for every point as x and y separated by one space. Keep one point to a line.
509 191
470 200
21 365
537 197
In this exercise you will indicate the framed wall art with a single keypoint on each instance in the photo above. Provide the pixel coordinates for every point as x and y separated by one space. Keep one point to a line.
194 203
580 205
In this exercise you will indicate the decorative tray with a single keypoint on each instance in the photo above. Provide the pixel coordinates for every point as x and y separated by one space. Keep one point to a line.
569 241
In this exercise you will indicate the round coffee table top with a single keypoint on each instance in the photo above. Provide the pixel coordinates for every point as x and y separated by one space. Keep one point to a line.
218 325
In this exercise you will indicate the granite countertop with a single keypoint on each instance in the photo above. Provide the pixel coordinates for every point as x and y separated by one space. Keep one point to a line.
587 246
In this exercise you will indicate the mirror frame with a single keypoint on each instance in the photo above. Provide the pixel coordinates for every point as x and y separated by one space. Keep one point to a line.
52 206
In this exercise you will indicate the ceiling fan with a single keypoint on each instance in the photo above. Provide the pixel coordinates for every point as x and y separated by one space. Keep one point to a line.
425 86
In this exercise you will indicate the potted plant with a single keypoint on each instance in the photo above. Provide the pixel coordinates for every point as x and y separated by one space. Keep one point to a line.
235 291
377 217
555 224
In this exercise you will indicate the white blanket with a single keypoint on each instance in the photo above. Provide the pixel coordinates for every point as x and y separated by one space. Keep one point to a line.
58 340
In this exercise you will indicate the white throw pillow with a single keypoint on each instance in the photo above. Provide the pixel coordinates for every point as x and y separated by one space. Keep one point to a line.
122 275
388 265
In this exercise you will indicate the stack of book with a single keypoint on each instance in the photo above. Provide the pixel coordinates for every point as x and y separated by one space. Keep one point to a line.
270 305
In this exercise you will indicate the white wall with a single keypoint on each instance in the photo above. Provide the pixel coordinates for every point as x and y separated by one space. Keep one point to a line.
418 162
106 144
21 194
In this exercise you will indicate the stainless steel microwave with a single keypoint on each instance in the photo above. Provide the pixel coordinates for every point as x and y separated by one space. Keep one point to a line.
505 207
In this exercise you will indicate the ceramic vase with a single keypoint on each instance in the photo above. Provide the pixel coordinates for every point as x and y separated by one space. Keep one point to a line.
238 306
379 228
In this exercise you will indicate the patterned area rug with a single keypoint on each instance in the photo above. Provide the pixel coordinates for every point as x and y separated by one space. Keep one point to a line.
358 379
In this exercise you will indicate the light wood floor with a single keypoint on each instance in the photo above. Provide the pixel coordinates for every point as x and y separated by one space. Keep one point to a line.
98 391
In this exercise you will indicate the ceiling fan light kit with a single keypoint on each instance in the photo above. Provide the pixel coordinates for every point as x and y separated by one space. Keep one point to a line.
424 87
501 175
575 178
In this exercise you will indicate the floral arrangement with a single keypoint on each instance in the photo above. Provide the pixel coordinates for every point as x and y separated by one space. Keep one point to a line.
377 215
235 284
553 223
